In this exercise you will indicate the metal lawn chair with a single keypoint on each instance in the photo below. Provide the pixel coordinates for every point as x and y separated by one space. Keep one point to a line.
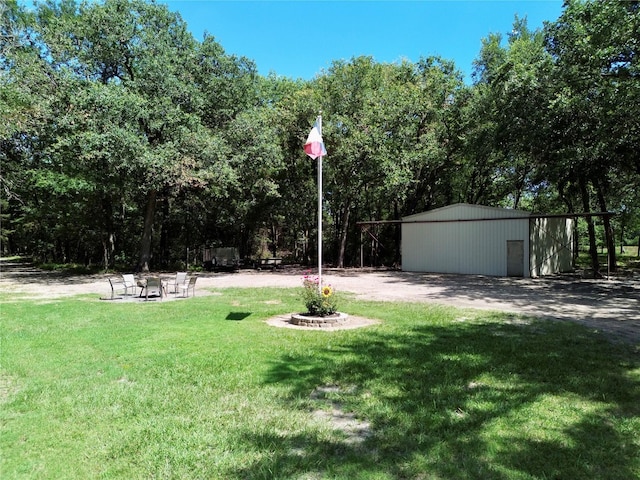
116 285
129 282
176 284
190 285
153 286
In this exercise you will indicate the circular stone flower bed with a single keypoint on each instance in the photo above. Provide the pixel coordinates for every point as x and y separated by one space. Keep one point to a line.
326 321
349 322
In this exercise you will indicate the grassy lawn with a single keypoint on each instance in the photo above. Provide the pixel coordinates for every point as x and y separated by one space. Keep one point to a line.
204 388
628 262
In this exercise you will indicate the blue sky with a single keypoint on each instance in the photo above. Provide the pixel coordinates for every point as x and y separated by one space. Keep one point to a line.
300 39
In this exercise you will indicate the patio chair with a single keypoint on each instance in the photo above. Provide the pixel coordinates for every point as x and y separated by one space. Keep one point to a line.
129 282
115 285
191 285
153 286
174 285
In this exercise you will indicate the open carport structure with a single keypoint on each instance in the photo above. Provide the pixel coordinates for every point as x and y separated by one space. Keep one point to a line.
474 239
480 240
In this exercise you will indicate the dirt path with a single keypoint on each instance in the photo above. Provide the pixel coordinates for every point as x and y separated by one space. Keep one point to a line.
611 307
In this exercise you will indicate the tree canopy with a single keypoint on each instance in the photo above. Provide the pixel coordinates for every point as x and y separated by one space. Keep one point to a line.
125 141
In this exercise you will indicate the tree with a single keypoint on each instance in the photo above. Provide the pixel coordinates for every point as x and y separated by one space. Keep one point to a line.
130 116
594 46
358 136
386 127
509 105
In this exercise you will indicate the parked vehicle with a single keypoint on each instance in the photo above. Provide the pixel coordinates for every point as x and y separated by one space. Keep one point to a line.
221 258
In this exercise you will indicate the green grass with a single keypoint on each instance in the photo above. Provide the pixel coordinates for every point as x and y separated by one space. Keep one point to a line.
205 389
628 262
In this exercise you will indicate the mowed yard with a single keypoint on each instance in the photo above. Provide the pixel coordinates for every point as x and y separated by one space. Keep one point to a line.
205 388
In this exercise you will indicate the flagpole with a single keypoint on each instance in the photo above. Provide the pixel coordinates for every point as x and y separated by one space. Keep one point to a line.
320 209
314 147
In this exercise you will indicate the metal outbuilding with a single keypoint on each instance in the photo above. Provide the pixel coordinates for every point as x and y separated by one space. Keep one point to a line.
474 239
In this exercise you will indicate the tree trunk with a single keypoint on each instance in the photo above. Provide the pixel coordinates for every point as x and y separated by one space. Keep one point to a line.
108 247
576 243
397 257
343 235
147 232
273 245
109 234
165 239
593 249
608 229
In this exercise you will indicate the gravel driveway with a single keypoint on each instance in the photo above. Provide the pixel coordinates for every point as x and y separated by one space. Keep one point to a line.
611 307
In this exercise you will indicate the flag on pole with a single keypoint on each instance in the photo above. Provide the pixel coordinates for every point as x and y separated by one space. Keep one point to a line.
314 146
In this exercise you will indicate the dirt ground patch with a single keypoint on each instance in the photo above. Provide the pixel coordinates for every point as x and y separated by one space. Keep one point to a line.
609 307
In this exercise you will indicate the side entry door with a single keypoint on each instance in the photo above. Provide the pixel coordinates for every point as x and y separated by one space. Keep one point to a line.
515 258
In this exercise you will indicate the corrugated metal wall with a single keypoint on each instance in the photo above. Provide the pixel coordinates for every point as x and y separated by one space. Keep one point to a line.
465 211
466 247
551 246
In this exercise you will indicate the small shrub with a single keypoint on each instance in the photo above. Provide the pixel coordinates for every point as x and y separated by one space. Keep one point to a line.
320 300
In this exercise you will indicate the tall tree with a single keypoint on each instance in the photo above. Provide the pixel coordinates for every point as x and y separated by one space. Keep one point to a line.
595 50
385 124
509 106
134 115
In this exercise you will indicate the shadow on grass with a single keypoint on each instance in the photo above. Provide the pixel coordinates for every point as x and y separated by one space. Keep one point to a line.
466 400
237 316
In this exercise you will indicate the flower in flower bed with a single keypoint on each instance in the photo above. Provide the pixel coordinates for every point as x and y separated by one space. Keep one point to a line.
319 300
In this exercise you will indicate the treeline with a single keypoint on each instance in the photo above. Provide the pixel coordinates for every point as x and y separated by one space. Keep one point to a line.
125 141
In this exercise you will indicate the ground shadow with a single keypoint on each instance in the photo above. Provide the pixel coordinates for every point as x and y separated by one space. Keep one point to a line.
553 295
237 316
612 307
434 406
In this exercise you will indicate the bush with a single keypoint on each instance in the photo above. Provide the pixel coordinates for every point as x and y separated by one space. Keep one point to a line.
319 300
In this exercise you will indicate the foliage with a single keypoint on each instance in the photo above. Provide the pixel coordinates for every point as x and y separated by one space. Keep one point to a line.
126 140
67 269
319 300
129 119
204 388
